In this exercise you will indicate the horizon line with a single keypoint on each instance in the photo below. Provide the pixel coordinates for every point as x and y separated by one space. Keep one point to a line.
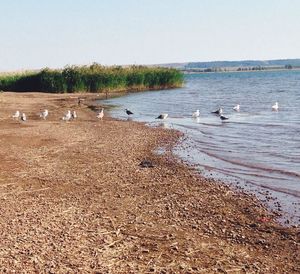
152 64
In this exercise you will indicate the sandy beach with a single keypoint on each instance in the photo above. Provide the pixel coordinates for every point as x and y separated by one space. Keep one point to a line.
74 198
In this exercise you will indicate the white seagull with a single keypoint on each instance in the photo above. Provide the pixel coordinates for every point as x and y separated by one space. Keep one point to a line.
74 114
44 114
236 108
16 115
68 116
275 106
196 114
100 115
23 117
162 116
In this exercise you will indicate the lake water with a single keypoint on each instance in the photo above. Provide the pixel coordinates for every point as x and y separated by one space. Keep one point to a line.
257 148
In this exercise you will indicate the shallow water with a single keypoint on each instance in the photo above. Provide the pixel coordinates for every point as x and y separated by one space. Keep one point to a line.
257 148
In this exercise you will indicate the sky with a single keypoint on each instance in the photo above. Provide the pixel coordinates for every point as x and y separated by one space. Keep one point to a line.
54 33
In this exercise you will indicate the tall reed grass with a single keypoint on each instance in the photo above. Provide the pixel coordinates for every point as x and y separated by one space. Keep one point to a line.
93 78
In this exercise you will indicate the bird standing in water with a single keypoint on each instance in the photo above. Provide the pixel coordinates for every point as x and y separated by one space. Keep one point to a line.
222 117
236 108
162 116
196 114
128 112
218 111
275 106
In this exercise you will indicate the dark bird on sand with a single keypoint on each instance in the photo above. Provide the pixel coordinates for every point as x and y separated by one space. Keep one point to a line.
146 164
80 100
128 112
218 111
222 117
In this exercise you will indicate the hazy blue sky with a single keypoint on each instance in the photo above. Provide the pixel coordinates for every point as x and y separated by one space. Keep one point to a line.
53 33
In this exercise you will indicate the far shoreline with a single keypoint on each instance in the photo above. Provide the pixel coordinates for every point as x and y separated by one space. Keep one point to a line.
186 72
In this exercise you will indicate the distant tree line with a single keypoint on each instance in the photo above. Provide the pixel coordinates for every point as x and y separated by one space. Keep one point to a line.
244 63
251 68
93 78
242 68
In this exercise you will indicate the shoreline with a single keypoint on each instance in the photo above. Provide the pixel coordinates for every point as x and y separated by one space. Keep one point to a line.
187 72
283 209
284 204
78 200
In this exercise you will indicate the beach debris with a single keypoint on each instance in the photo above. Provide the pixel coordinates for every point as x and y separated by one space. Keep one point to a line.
275 107
23 117
16 115
237 107
74 114
218 111
162 116
264 219
128 112
100 115
222 117
44 114
67 116
146 164
196 114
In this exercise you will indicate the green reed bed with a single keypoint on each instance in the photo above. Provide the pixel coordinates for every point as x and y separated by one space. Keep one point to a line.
94 78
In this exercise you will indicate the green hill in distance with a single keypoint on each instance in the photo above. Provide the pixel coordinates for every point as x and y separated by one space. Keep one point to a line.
244 65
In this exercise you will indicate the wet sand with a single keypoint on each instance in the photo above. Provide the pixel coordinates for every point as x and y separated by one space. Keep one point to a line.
74 198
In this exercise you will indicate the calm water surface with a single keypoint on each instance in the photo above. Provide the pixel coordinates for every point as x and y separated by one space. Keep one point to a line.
257 148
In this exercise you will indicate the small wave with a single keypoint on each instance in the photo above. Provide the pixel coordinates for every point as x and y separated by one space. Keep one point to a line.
253 166
294 193
235 175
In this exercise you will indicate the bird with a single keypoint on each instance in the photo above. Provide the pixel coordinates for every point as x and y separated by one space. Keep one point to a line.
44 114
196 114
237 107
275 106
162 116
16 115
23 117
128 112
222 117
146 163
79 101
100 115
74 114
68 116
218 111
